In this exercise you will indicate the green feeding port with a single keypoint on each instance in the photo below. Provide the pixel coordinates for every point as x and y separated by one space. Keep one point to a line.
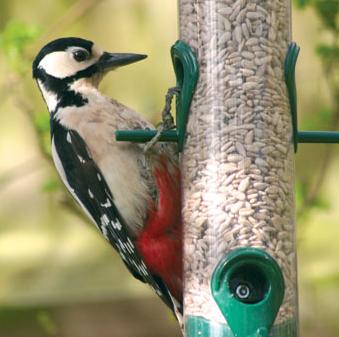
186 69
248 286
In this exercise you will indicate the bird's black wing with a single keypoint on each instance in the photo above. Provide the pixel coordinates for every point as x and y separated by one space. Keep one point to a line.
87 185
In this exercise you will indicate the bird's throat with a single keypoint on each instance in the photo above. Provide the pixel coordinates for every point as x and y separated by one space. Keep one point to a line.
55 99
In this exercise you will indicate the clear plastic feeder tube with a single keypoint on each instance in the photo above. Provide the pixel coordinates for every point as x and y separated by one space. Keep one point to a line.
238 159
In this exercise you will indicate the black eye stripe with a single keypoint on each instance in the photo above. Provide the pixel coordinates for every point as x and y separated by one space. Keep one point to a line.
80 55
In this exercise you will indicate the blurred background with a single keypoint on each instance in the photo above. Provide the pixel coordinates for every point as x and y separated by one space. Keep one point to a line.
58 277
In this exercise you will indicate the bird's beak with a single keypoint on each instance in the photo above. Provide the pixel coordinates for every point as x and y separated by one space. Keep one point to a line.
108 61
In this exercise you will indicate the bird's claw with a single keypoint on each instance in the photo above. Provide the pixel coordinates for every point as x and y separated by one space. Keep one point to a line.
167 118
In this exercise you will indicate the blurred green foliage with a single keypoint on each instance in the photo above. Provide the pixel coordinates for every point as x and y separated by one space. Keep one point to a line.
14 39
42 127
47 323
327 117
326 9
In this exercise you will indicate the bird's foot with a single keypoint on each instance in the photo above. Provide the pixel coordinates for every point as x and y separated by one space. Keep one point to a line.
167 118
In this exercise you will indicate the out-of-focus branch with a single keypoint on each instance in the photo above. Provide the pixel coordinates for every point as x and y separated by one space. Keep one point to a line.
74 13
67 202
20 171
23 106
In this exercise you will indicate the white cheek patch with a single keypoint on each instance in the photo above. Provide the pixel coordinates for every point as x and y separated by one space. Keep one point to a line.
61 64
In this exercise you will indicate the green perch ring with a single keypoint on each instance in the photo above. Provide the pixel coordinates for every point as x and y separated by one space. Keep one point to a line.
186 69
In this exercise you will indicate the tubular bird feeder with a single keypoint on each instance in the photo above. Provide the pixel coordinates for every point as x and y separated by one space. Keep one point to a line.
237 131
238 172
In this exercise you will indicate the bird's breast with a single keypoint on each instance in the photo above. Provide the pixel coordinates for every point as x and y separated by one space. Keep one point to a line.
131 195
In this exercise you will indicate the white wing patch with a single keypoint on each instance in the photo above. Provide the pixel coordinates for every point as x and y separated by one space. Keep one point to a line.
107 204
82 160
105 223
116 225
130 246
62 175
68 138
122 246
90 194
144 270
104 220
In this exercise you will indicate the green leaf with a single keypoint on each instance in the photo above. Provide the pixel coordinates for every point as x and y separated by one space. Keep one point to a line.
328 11
42 122
47 323
325 115
321 203
300 192
302 3
321 120
328 52
15 37
50 185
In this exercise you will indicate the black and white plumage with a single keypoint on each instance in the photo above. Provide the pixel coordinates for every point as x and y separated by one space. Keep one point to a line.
112 182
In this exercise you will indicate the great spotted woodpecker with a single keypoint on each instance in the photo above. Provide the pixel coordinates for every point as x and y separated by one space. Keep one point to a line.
132 196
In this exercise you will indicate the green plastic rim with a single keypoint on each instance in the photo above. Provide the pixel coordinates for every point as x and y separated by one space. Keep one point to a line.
248 287
197 326
186 69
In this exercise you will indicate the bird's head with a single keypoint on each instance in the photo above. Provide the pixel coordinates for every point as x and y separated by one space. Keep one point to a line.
64 61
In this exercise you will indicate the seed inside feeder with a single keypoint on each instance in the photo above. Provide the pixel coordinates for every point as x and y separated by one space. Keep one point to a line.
239 139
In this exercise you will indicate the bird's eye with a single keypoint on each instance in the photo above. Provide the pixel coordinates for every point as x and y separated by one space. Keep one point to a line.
80 55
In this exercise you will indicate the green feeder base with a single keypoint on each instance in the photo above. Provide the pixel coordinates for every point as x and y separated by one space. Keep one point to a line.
197 326
248 287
